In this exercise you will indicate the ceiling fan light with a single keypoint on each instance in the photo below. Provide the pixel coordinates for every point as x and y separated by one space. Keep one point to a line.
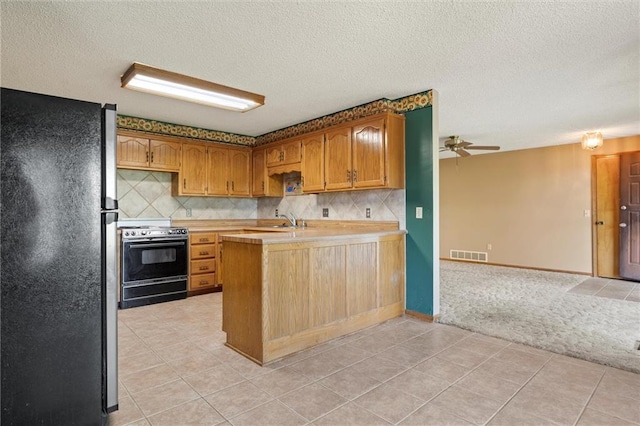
592 140
157 81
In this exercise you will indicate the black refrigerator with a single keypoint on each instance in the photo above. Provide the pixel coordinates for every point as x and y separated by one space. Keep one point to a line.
58 260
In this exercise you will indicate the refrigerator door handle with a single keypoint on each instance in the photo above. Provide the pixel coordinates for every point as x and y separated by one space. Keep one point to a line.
109 203
110 217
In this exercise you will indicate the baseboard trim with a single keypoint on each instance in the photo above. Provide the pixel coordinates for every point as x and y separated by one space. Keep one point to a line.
589 274
421 316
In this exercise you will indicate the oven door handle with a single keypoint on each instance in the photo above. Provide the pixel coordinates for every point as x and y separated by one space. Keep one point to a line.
156 245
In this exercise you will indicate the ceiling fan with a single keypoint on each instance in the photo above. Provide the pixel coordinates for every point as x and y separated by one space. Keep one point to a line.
460 147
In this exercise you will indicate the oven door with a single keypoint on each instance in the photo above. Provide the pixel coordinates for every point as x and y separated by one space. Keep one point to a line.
154 260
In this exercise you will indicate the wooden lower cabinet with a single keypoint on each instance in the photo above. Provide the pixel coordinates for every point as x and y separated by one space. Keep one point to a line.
281 298
203 258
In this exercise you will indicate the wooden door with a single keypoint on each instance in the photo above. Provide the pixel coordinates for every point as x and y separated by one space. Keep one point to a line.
259 172
218 171
132 152
274 155
164 155
337 159
240 172
312 164
291 152
368 154
193 174
630 215
607 207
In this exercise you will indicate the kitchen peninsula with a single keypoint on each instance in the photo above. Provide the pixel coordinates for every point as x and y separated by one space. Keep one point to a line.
288 291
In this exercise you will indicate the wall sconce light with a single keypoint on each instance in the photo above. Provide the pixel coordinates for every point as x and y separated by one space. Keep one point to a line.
145 78
591 140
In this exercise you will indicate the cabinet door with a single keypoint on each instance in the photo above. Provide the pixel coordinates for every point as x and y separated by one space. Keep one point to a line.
132 152
274 155
313 164
164 155
291 152
259 175
218 171
337 159
193 173
368 154
239 172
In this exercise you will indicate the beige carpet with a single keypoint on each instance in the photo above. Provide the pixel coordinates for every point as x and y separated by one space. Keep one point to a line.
534 308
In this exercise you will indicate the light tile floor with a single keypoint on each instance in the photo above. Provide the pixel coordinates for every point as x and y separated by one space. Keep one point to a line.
609 288
175 370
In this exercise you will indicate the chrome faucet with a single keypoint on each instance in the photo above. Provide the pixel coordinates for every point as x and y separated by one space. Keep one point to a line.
291 219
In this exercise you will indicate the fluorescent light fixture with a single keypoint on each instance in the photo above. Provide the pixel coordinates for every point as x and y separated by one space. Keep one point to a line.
173 85
591 140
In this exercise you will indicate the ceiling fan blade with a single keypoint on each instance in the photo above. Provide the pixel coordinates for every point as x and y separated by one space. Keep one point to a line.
490 148
463 144
462 153
443 148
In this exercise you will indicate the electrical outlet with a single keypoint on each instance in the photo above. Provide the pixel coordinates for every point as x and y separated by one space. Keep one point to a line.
277 213
489 246
368 213
188 212
325 212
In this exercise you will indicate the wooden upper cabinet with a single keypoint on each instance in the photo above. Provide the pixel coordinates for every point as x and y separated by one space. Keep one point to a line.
132 152
337 159
274 155
262 184
259 172
284 153
164 155
369 154
147 154
192 179
240 172
312 164
218 171
213 169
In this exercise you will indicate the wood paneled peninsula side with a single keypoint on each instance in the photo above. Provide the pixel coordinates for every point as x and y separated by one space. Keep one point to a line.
288 291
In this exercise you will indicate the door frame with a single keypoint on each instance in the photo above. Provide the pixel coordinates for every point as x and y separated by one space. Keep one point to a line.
594 205
594 197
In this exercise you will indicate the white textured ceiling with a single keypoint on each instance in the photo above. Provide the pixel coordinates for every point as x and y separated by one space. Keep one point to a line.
520 75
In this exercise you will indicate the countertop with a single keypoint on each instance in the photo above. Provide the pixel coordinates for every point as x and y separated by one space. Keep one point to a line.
283 235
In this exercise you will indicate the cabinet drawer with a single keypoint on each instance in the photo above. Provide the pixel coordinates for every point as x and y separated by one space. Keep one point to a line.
202 251
202 238
206 266
202 281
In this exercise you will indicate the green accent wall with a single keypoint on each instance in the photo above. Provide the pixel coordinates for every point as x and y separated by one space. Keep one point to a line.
419 193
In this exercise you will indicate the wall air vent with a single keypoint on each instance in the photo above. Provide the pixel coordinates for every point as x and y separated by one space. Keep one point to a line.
471 256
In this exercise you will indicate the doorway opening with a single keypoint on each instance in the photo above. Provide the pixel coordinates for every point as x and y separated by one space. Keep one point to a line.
616 206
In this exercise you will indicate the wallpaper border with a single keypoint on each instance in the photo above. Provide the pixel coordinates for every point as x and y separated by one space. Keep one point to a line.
401 105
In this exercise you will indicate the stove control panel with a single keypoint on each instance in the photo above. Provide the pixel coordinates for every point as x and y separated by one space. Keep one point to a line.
159 232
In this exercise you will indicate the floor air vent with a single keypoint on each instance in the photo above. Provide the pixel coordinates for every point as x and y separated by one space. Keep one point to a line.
473 256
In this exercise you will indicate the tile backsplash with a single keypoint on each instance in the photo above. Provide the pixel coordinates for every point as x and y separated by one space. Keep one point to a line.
148 194
385 204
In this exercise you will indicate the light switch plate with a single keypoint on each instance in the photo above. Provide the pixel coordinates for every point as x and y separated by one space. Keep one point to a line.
418 212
